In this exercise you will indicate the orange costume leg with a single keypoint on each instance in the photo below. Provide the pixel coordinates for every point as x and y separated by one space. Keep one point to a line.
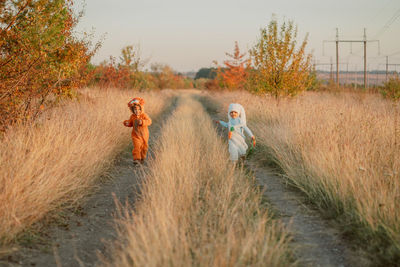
137 148
145 147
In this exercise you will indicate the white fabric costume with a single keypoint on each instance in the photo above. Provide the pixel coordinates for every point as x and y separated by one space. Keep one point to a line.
237 144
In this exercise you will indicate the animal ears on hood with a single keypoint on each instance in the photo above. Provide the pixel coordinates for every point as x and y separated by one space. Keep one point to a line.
137 101
239 109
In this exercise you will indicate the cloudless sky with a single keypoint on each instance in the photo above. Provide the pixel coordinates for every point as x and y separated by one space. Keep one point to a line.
189 35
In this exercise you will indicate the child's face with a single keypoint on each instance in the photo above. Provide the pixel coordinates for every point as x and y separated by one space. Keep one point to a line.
137 110
233 114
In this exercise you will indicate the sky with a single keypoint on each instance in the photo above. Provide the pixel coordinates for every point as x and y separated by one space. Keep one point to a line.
188 35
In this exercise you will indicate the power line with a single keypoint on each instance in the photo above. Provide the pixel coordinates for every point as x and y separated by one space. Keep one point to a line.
388 23
377 14
395 53
364 41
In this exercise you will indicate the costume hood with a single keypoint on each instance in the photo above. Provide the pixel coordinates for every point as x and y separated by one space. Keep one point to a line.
137 101
240 110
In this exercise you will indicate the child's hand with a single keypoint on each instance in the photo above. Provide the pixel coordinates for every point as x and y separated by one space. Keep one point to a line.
138 122
253 138
126 123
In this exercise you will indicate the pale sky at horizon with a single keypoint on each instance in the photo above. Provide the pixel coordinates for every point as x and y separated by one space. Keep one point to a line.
188 35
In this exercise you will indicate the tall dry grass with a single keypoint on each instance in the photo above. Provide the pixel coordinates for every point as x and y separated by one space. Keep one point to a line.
57 159
196 209
342 150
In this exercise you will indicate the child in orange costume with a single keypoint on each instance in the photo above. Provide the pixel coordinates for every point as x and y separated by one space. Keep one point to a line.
140 133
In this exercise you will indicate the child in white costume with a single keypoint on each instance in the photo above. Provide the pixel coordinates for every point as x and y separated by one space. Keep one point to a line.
237 126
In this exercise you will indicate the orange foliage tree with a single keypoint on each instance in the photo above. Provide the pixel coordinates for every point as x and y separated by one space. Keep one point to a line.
40 56
279 67
110 74
129 74
119 75
234 74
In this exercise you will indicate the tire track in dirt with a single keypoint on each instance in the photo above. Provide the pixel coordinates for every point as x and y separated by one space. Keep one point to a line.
84 235
315 241
87 235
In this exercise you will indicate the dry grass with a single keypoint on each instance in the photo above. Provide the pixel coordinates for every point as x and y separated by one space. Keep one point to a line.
57 159
196 209
340 150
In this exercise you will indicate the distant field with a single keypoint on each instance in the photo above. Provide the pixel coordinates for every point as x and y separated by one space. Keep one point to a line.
354 78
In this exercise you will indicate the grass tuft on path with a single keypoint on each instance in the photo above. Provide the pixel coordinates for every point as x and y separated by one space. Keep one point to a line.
196 208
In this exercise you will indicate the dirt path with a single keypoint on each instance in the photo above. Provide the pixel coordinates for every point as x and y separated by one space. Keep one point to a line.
83 236
315 241
87 234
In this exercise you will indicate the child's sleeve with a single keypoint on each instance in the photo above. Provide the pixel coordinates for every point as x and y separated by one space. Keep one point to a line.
128 123
223 124
146 121
248 131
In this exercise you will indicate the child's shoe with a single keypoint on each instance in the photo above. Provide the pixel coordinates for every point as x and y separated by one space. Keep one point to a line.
137 162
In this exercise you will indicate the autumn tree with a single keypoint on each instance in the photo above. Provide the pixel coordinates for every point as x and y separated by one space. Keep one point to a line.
131 58
206 73
109 75
165 77
40 56
234 73
131 64
279 67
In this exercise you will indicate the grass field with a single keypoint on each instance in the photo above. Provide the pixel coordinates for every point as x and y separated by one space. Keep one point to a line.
56 160
195 208
342 150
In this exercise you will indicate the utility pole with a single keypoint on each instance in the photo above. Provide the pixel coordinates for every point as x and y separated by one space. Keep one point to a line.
356 83
387 67
364 41
331 67
337 57
365 58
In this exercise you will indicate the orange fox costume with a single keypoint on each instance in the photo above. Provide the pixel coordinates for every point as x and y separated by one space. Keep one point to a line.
140 132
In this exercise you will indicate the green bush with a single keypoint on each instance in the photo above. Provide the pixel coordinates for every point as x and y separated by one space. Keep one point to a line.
391 89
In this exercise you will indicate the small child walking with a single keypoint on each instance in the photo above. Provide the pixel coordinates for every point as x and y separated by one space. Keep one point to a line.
140 121
237 126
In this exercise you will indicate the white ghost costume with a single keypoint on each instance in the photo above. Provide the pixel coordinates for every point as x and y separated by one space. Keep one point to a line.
237 143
